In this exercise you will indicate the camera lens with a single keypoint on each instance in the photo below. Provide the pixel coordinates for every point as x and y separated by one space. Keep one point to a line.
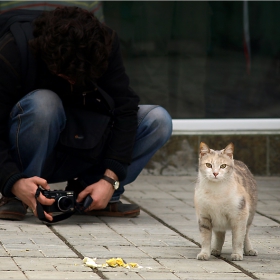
64 203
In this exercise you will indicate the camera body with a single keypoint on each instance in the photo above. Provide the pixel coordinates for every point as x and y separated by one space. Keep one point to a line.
65 201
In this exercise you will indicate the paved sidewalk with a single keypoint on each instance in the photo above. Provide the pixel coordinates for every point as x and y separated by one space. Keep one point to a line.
164 239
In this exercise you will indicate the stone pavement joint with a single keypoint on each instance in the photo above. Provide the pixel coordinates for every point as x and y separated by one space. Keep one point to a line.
163 223
99 273
191 240
250 274
164 240
267 216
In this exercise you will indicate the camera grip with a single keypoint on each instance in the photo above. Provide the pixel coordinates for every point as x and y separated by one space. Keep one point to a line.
88 201
85 204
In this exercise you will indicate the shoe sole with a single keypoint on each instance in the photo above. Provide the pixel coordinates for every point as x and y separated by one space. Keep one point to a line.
11 216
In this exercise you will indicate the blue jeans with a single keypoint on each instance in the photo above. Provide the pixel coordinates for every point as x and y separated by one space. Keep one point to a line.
36 122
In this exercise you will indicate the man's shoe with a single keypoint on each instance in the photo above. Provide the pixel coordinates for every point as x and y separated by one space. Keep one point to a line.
117 209
12 209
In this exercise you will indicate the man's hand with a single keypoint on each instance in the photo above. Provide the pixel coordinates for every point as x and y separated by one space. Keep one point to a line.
101 193
25 189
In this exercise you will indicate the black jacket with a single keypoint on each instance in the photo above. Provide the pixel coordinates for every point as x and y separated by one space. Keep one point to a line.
114 81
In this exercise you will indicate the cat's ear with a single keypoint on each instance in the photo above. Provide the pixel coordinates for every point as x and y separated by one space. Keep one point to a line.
229 150
204 149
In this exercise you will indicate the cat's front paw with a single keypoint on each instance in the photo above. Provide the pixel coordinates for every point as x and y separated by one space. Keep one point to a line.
251 252
236 257
216 252
203 256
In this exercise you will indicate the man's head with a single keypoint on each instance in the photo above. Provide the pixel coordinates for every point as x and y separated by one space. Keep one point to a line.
73 43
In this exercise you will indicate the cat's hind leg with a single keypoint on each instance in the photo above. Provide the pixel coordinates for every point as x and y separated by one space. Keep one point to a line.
205 228
218 242
248 248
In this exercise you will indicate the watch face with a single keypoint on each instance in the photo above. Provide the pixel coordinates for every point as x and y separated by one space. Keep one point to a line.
116 185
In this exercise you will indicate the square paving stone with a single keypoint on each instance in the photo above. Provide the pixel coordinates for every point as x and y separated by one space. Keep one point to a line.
18 275
46 275
170 252
51 264
7 264
214 276
194 265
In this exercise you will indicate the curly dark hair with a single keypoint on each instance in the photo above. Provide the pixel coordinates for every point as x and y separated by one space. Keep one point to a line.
72 42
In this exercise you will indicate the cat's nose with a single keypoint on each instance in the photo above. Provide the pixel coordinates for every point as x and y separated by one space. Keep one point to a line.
215 174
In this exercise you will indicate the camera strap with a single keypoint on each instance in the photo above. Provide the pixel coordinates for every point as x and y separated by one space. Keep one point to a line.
41 215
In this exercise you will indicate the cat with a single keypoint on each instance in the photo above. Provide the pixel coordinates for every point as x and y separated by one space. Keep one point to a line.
225 198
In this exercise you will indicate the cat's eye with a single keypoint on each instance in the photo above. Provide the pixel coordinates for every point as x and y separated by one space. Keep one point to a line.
209 165
223 166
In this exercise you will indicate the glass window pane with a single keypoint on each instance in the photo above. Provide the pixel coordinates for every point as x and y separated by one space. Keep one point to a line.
202 59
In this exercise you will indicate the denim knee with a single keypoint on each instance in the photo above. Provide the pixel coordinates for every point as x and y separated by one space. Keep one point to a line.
160 120
164 122
42 107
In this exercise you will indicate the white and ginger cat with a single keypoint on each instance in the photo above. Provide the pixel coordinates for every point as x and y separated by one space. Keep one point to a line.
225 199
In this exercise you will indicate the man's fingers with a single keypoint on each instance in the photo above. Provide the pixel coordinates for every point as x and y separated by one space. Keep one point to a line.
41 182
45 201
34 211
48 216
82 195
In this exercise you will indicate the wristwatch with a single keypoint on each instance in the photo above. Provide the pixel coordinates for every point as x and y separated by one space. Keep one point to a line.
114 183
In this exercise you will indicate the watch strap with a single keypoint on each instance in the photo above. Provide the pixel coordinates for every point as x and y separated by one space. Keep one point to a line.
110 180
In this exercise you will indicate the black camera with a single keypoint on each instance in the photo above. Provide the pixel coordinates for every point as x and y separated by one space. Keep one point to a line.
65 201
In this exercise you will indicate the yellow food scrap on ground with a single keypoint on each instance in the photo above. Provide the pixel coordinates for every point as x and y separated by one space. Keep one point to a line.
134 265
114 262
117 262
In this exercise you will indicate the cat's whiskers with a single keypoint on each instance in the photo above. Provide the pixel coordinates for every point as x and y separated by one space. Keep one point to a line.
203 177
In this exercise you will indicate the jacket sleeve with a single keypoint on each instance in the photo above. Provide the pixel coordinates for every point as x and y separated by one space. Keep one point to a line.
116 83
9 89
